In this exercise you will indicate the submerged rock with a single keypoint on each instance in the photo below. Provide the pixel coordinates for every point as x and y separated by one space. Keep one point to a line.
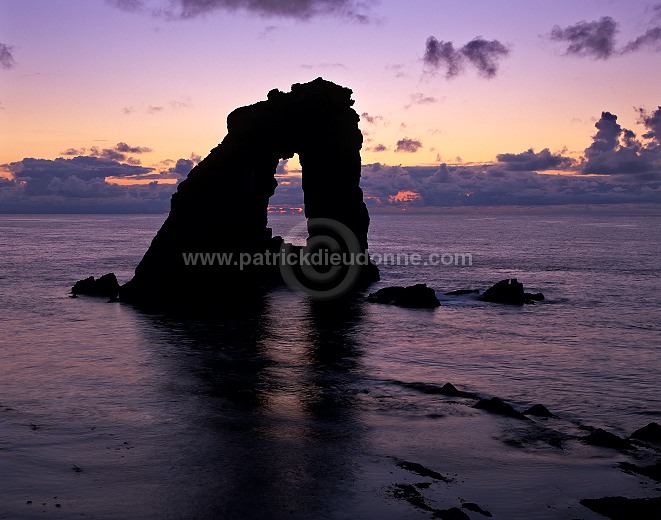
653 471
417 296
499 407
422 471
106 286
460 292
600 437
471 506
650 433
447 389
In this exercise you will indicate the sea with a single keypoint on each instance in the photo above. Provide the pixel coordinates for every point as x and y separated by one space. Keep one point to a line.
296 410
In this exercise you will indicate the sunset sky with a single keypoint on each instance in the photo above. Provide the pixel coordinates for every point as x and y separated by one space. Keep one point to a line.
452 96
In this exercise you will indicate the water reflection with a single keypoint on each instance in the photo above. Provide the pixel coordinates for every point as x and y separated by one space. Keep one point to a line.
273 392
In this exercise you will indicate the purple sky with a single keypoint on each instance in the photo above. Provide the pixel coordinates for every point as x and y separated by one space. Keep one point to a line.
496 91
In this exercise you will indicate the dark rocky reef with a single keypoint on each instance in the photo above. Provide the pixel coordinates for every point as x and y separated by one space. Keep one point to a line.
417 296
497 406
106 286
510 292
222 205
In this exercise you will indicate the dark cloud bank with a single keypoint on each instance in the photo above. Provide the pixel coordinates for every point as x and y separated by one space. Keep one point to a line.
80 184
617 167
298 9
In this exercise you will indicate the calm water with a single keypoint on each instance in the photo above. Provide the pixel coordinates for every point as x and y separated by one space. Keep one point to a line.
291 411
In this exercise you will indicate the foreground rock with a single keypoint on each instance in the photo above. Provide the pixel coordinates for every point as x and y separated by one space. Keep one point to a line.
417 296
621 508
220 209
510 292
106 286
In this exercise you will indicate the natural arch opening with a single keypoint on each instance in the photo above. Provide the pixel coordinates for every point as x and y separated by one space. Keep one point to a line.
286 213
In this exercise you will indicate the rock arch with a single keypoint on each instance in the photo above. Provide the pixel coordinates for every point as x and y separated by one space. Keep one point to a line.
222 205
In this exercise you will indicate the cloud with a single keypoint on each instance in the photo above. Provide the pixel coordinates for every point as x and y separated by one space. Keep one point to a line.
377 148
117 153
443 54
408 145
652 122
125 148
79 185
297 9
419 98
594 39
127 5
324 66
531 161
496 185
7 56
651 39
157 109
616 150
372 120
483 54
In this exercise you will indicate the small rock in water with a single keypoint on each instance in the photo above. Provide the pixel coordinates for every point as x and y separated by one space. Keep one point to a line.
538 410
417 296
651 432
510 292
106 286
606 439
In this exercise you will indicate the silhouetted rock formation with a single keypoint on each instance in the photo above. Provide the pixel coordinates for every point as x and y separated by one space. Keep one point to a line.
510 292
417 296
221 208
106 285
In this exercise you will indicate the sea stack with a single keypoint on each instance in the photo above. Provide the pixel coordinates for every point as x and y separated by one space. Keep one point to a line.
221 207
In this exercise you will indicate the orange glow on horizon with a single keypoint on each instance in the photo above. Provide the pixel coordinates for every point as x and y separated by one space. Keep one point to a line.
120 181
404 196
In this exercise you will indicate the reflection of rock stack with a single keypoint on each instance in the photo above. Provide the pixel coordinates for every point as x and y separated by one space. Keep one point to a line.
222 206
